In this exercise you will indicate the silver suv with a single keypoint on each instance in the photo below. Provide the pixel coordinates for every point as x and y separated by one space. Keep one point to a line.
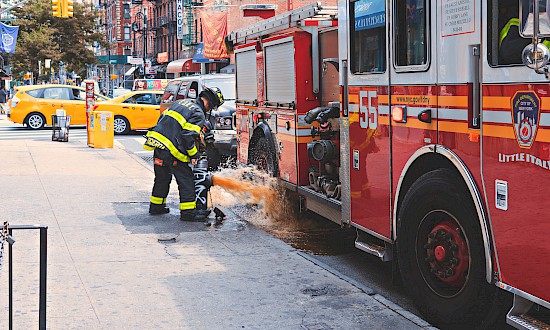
222 119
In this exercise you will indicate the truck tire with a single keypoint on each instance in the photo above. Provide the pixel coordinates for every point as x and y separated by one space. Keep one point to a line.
441 255
264 157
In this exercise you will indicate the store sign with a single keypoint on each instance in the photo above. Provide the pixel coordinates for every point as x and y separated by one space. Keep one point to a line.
162 57
214 33
179 18
135 60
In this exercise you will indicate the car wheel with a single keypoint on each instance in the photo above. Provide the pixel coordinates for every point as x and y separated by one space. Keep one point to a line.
121 125
35 121
441 255
264 157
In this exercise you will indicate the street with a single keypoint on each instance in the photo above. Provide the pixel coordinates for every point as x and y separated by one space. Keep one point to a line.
320 241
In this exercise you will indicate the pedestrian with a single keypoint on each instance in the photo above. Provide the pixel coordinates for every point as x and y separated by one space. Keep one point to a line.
173 140
3 99
104 91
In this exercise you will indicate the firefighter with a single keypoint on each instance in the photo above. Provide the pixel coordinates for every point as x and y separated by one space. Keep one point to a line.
173 141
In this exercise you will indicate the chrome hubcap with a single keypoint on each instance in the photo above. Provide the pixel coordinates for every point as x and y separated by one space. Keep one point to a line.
35 121
119 125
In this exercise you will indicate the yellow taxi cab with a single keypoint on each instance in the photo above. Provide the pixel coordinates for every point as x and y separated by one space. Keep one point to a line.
133 111
34 105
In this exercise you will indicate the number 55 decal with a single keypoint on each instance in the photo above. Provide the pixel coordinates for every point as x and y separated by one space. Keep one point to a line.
368 114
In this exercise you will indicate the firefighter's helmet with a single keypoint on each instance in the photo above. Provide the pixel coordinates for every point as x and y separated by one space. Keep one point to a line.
214 96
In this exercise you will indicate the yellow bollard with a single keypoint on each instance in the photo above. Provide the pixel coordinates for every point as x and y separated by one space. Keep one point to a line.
102 133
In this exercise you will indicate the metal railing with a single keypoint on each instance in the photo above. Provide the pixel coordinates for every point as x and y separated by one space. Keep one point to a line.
6 236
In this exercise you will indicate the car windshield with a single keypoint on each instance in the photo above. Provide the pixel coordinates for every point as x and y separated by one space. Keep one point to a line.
172 90
227 87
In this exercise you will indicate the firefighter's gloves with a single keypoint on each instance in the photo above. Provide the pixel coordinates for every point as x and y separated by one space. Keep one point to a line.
208 135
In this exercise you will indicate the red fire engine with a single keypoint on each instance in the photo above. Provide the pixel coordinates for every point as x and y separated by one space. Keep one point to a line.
411 121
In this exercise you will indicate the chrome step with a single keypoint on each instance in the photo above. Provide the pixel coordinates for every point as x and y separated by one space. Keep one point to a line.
374 249
519 318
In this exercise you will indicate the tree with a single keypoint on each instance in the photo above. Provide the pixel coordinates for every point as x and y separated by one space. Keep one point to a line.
67 40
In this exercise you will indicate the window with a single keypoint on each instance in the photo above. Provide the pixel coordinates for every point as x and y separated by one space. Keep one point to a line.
192 91
158 98
57 93
411 33
505 43
78 94
171 90
144 99
139 99
368 36
37 93
127 11
127 32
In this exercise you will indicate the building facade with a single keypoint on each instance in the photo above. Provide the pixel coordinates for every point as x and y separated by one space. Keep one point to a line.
148 30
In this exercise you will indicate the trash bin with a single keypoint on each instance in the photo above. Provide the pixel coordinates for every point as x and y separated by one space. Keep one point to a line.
102 133
60 126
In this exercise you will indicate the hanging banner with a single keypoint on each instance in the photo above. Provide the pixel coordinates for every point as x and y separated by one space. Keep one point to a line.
214 27
179 18
9 38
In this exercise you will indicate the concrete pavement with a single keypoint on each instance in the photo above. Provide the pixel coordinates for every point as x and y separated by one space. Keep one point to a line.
112 266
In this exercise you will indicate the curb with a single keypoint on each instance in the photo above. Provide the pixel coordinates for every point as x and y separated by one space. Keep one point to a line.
381 299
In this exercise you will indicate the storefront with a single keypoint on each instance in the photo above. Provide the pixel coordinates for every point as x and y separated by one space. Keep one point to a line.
182 67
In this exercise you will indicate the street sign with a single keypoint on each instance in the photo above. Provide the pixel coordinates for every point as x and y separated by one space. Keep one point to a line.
179 18
90 101
135 60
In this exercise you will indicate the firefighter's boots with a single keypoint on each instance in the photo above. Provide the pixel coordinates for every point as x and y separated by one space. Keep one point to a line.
158 209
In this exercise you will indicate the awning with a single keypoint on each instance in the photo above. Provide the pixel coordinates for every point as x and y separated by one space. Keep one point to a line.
183 65
130 71
199 56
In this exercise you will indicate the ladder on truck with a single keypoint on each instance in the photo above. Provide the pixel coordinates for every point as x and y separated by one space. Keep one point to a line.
308 18
290 19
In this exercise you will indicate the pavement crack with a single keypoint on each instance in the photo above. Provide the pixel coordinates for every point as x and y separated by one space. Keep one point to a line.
167 241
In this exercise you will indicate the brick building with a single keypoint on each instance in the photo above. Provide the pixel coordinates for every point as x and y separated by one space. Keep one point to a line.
128 31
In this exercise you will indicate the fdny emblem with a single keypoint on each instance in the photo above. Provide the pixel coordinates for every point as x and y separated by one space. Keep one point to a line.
525 117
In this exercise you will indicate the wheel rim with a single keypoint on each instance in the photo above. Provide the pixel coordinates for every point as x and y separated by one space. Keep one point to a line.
35 121
443 253
119 125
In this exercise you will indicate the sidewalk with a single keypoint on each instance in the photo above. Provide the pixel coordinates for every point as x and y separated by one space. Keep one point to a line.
112 266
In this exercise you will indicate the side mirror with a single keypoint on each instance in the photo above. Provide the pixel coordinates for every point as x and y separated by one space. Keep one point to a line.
536 56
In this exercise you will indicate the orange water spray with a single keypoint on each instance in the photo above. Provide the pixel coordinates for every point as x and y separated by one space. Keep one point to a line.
257 193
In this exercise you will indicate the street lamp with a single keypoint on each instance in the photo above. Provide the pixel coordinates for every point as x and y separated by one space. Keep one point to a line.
140 25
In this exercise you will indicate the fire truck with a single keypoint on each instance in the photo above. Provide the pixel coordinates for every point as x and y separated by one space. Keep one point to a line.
412 121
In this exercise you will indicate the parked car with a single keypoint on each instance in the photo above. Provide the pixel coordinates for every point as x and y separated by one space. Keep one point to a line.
222 119
133 110
34 105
